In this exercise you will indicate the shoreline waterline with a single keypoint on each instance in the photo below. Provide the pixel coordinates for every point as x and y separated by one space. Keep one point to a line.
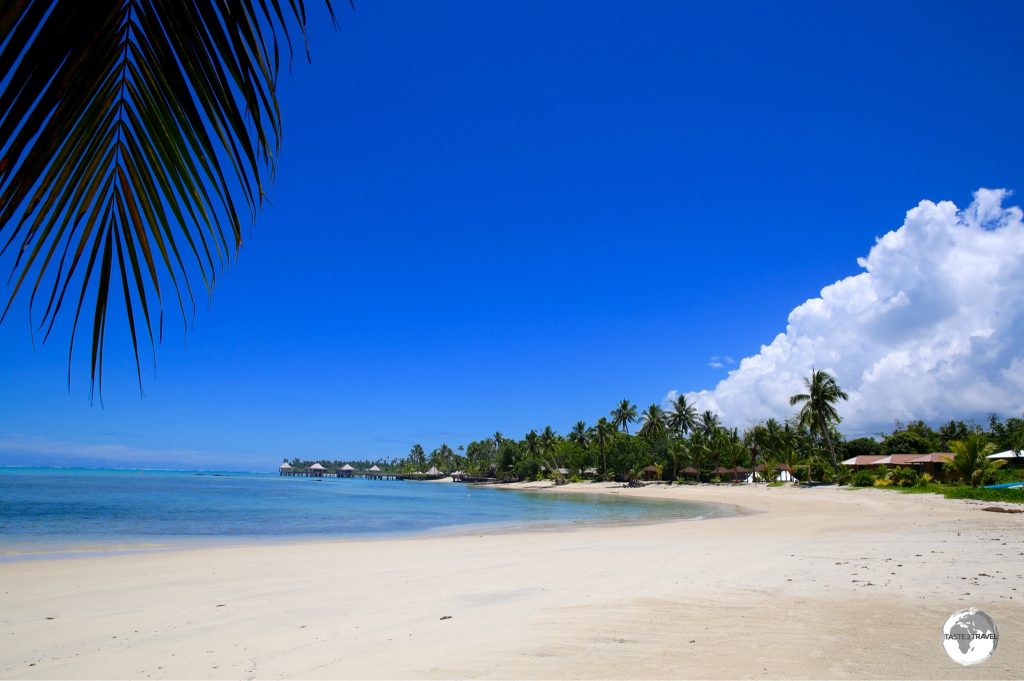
657 600
53 530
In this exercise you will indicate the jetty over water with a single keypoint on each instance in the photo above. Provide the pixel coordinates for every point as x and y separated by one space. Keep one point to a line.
317 470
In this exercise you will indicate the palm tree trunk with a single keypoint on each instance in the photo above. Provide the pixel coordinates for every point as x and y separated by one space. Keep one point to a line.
828 441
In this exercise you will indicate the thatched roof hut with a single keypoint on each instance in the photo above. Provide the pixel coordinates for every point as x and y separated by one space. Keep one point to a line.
649 472
433 471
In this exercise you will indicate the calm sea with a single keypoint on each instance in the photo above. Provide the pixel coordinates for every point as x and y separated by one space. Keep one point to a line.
64 510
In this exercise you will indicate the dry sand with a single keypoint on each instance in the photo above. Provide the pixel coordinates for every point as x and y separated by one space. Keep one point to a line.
808 583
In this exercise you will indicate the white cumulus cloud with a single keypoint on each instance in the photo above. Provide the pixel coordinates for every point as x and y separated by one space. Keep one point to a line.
933 328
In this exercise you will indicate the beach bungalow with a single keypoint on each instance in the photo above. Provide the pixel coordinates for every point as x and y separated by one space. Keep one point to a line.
590 473
433 472
931 463
316 471
1010 457
285 469
897 460
346 471
722 472
863 461
690 472
781 474
649 472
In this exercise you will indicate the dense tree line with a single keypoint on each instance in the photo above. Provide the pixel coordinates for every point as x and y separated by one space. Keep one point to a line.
679 441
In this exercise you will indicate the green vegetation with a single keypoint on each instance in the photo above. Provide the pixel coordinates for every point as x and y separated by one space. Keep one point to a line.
818 413
970 463
678 445
953 491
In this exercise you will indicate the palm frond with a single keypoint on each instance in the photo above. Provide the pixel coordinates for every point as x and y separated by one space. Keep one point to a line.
133 134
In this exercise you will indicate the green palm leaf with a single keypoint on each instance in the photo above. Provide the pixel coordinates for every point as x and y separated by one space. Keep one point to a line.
133 134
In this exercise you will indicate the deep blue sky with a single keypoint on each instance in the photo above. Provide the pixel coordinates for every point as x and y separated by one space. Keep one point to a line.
496 216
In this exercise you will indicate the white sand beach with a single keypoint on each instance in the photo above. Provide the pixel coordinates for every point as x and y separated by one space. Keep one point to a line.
805 583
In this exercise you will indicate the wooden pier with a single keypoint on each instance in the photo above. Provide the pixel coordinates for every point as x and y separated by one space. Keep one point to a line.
318 471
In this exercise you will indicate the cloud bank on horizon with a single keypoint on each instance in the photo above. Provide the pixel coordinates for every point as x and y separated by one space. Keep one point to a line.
932 329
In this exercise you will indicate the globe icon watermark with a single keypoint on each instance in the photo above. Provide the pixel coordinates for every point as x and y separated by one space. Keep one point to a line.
969 636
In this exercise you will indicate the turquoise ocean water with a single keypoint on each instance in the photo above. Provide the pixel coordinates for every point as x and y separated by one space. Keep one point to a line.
65 511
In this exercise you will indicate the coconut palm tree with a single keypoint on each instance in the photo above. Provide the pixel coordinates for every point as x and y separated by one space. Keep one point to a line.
623 415
736 452
136 138
709 423
699 450
532 445
718 443
757 442
547 442
653 422
580 434
683 417
604 431
818 412
417 457
970 460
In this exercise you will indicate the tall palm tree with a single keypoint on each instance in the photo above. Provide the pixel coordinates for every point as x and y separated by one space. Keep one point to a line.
683 417
698 449
756 440
623 415
736 452
604 431
653 422
532 445
718 443
709 423
547 442
136 135
417 456
818 412
580 434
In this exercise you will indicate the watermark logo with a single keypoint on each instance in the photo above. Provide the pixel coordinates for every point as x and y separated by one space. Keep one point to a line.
969 636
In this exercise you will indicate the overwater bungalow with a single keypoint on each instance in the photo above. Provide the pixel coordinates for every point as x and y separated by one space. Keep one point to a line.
285 469
316 471
375 473
346 471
